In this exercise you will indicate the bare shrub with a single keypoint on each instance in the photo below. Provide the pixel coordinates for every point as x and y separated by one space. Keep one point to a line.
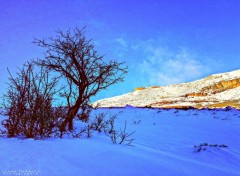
85 113
111 124
28 104
80 133
136 122
99 123
205 146
121 136
88 130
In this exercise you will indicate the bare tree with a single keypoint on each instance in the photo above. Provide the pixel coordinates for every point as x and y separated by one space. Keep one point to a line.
85 71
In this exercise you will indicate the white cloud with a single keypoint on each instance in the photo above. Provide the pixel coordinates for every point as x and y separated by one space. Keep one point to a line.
164 67
122 42
140 44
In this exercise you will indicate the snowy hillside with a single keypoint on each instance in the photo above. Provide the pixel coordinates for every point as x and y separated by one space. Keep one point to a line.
167 143
218 90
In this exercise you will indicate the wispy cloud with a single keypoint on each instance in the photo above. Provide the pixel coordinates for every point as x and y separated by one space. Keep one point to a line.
122 42
153 64
163 66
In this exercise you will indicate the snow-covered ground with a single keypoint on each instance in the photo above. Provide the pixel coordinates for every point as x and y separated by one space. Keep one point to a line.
164 146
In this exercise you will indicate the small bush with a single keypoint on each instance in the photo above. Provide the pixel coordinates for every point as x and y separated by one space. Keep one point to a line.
205 146
84 114
110 124
28 104
101 123
121 136
136 122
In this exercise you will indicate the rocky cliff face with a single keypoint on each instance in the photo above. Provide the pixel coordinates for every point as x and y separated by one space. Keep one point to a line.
219 90
216 88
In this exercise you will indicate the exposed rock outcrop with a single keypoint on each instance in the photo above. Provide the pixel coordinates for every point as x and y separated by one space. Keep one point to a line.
216 88
139 88
222 86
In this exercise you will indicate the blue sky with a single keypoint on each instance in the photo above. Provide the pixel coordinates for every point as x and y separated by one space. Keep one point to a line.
162 41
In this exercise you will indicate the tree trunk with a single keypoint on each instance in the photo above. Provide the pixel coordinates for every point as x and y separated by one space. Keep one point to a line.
72 112
70 124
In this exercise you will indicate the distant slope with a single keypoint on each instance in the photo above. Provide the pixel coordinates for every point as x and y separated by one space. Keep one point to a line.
218 90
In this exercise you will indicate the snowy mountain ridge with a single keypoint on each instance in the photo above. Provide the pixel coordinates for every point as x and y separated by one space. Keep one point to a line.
214 91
